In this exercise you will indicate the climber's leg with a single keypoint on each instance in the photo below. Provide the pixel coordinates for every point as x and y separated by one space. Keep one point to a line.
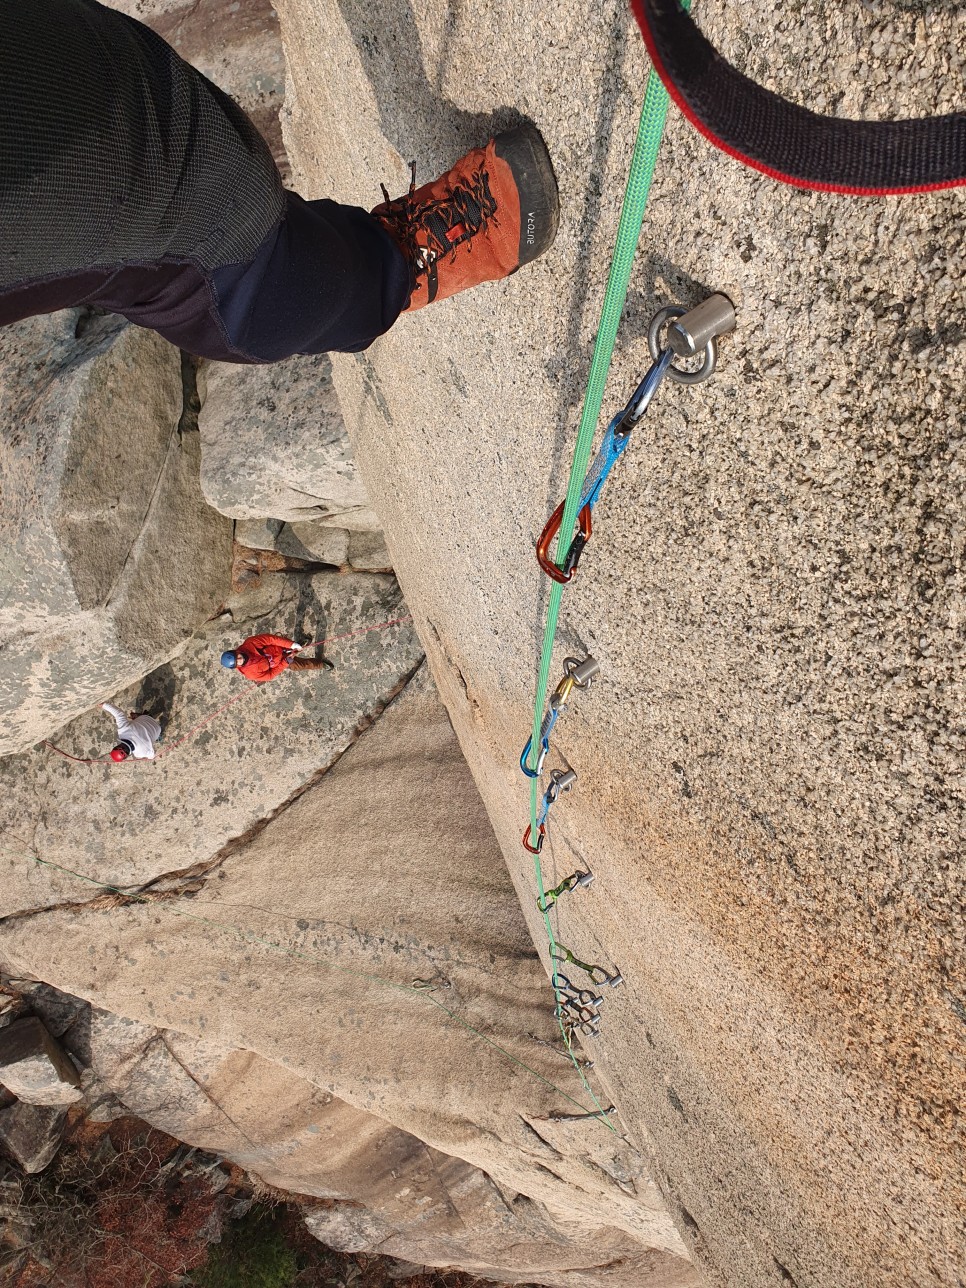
311 664
132 183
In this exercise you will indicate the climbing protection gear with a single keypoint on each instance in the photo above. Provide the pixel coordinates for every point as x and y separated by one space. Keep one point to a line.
496 209
561 780
421 989
690 333
546 901
614 444
694 332
229 659
650 130
598 974
577 675
788 142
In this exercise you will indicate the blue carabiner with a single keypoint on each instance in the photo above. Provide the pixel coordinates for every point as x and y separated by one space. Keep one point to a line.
549 720
544 748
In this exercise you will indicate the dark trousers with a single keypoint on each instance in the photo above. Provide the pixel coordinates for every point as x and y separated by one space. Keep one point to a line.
130 182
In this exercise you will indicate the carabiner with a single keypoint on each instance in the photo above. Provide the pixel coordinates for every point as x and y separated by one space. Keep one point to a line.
598 974
534 849
564 572
544 748
566 885
561 694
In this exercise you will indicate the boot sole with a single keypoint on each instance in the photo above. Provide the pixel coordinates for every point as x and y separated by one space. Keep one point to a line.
525 152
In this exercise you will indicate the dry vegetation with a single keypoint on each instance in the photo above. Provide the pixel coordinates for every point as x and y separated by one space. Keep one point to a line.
125 1206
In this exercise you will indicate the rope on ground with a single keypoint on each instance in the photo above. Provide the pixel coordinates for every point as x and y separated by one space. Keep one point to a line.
416 989
649 134
165 751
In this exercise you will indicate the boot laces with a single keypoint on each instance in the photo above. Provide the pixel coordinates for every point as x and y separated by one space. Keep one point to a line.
432 229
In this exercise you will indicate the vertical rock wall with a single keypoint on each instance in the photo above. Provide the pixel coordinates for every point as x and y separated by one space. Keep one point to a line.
771 767
110 556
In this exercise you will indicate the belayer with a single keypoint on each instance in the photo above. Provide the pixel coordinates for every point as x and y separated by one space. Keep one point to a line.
262 657
130 182
136 734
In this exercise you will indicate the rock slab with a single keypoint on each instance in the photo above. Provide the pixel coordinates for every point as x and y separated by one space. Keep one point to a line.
366 939
771 766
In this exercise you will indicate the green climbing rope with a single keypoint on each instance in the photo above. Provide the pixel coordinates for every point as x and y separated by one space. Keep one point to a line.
649 134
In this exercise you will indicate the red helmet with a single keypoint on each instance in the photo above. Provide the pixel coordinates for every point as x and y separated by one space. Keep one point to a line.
119 754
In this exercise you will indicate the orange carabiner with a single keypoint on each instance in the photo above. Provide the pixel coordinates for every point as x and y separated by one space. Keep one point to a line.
541 833
584 533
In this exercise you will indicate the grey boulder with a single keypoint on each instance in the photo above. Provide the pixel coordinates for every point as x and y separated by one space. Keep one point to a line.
35 1067
274 445
110 556
31 1134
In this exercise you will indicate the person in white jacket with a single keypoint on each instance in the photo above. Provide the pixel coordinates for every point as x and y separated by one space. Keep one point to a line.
136 734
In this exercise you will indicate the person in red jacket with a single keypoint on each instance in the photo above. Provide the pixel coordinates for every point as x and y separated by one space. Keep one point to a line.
262 657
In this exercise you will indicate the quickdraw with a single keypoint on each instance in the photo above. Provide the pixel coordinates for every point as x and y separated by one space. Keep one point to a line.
561 780
577 675
566 885
694 332
598 974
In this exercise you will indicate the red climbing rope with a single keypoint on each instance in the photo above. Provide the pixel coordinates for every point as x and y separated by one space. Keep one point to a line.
244 693
363 630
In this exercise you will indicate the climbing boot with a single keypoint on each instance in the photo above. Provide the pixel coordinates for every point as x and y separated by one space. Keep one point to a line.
496 209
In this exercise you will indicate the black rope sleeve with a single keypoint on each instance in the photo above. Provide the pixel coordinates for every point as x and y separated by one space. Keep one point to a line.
788 142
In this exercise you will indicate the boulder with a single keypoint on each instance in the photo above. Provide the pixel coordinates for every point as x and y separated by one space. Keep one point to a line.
34 1066
314 541
771 765
31 1134
232 752
59 1011
274 445
368 553
258 534
111 557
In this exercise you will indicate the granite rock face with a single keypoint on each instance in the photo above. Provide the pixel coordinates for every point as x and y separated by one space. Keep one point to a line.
235 45
232 752
110 557
771 766
367 941
381 1186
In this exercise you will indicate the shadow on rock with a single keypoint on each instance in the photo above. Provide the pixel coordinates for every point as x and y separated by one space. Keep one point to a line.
415 116
157 692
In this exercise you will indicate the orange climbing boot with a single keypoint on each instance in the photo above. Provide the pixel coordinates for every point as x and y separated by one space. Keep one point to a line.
496 209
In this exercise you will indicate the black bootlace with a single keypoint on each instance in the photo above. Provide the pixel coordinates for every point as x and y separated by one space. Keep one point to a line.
424 228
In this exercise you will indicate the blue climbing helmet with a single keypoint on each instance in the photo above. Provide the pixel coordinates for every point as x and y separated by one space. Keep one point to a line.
229 659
